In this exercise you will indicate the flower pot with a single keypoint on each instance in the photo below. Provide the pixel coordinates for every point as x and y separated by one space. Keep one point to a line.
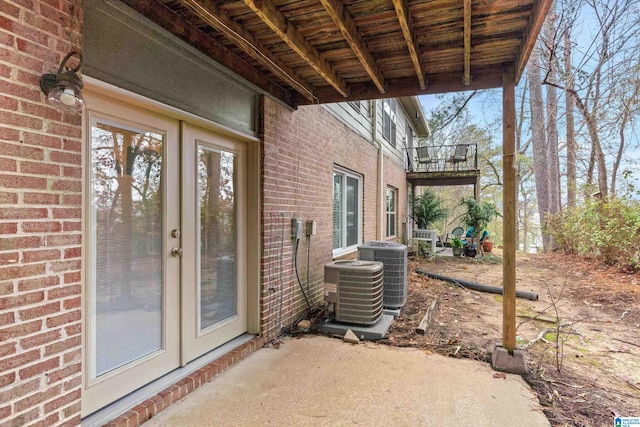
457 251
487 246
470 251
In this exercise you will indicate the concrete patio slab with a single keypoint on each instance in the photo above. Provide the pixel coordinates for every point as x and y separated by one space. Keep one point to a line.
322 381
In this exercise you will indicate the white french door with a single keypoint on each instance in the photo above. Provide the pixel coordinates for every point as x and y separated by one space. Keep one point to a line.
132 281
214 294
165 278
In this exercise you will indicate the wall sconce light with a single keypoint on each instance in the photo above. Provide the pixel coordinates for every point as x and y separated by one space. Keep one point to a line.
64 89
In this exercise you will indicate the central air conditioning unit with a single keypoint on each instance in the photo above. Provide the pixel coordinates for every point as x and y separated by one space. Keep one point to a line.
355 288
394 258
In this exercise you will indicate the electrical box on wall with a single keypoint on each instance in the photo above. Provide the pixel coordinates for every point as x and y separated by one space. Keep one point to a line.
310 228
296 228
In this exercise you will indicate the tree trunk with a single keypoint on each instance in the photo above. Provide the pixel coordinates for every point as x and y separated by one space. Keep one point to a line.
519 122
539 141
553 164
572 147
598 155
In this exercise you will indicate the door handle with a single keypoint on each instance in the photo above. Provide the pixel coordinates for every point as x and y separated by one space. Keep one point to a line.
176 252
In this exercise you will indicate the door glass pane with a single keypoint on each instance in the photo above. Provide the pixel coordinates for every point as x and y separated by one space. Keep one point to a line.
217 180
337 211
352 211
126 196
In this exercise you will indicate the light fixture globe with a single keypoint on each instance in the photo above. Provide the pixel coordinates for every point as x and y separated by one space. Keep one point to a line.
64 89
66 94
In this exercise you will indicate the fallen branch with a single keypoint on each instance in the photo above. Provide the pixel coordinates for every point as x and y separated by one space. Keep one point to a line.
541 317
428 316
540 337
626 342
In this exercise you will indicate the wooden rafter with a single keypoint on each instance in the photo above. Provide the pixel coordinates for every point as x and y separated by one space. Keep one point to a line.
268 12
407 31
538 15
467 42
486 78
344 22
208 12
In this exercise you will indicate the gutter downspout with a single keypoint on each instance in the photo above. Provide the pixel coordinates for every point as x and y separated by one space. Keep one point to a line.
380 213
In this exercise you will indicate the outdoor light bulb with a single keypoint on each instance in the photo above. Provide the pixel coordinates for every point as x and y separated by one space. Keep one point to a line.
66 98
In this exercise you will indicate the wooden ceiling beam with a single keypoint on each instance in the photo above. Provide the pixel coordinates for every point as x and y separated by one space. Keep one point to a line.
344 22
208 12
278 23
538 15
487 78
407 31
467 43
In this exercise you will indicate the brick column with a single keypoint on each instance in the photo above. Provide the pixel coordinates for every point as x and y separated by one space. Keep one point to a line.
40 220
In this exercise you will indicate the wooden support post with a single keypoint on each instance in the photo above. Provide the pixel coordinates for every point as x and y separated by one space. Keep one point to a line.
476 189
509 214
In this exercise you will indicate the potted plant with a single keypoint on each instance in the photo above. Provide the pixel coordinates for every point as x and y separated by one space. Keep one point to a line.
487 245
478 216
456 246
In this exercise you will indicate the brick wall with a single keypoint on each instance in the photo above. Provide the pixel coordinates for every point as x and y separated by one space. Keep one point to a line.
40 214
300 150
40 208
395 176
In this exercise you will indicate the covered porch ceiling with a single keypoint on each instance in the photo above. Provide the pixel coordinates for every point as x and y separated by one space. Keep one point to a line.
319 51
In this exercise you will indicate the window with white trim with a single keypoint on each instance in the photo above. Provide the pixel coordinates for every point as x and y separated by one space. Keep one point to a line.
392 204
347 210
389 120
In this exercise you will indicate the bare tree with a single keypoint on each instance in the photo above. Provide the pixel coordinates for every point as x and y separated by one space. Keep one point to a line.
598 74
539 141
570 105
553 163
630 92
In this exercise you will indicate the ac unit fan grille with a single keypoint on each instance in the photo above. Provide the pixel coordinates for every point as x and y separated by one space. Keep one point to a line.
359 292
394 258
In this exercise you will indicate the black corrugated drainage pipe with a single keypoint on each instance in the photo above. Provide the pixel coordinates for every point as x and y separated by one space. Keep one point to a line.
477 286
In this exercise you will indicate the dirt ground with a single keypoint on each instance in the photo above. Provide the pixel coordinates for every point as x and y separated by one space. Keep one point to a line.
581 337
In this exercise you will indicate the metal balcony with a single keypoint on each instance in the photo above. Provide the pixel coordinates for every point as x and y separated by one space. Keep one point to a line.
435 165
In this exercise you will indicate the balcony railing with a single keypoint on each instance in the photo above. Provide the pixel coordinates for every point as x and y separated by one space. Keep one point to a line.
442 158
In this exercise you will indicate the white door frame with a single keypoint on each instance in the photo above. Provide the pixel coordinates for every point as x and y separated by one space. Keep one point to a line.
97 93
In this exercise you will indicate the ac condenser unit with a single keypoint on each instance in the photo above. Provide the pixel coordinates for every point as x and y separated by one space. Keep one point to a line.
394 257
355 288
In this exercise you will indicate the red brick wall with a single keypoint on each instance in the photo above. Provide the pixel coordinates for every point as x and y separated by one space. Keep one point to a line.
300 150
395 176
40 209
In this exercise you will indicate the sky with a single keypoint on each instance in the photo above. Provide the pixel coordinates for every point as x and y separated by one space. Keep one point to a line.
486 107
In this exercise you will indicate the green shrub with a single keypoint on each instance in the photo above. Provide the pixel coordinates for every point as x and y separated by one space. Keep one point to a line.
424 249
608 230
427 209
